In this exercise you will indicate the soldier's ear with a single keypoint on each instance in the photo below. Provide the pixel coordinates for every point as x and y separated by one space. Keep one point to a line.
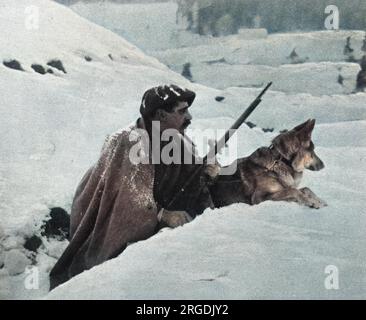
161 114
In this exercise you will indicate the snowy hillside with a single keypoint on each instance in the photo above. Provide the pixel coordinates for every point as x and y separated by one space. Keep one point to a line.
53 126
273 50
43 114
148 25
316 78
234 60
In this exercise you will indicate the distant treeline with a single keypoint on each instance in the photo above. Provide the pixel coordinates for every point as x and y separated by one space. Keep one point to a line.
227 16
70 2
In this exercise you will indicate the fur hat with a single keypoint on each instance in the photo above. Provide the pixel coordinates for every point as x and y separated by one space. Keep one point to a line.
164 97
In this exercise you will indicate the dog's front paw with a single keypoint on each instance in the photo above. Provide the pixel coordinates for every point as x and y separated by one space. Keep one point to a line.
312 200
316 203
323 203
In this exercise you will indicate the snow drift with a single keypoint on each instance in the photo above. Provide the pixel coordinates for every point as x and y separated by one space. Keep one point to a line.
53 126
235 60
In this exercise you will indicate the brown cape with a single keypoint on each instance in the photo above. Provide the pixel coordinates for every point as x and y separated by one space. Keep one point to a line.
114 205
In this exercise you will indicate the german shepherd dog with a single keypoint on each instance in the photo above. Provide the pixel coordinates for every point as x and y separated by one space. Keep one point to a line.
273 173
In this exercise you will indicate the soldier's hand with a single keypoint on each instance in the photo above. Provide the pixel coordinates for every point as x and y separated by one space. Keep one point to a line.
173 219
212 170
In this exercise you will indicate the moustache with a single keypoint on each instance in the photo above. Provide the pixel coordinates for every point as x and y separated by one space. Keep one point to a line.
186 124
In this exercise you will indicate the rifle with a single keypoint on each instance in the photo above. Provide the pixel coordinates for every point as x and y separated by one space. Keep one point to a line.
220 143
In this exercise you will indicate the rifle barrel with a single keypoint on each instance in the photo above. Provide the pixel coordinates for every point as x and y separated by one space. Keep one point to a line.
221 142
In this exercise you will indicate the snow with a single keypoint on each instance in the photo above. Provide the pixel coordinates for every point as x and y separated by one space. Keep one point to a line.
15 261
274 50
250 58
129 20
315 78
253 62
273 250
53 127
269 251
250 34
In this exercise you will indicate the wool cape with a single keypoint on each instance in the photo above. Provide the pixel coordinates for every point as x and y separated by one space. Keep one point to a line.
114 203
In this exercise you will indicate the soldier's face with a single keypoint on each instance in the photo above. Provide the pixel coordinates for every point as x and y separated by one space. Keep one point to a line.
178 119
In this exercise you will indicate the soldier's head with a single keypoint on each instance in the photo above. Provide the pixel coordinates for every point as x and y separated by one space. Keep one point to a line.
168 105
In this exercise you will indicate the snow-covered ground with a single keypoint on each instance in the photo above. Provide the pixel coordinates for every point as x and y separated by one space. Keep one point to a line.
148 25
53 126
250 63
233 60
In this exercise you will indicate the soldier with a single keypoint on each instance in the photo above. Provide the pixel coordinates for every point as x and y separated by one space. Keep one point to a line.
120 201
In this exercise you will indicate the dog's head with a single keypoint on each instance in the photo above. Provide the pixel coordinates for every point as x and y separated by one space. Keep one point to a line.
297 148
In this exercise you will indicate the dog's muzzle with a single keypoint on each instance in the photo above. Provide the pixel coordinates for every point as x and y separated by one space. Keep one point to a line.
317 164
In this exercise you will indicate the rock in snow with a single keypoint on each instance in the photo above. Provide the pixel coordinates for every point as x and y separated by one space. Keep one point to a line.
15 262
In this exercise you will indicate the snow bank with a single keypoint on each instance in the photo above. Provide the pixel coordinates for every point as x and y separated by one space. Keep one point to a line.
280 110
53 127
252 34
46 28
140 23
147 25
272 250
274 50
43 114
250 63
248 59
315 78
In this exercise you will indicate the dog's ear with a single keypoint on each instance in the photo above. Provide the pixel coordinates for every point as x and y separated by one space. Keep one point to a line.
301 126
305 132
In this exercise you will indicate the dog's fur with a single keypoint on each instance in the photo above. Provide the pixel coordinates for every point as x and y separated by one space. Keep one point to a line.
273 173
